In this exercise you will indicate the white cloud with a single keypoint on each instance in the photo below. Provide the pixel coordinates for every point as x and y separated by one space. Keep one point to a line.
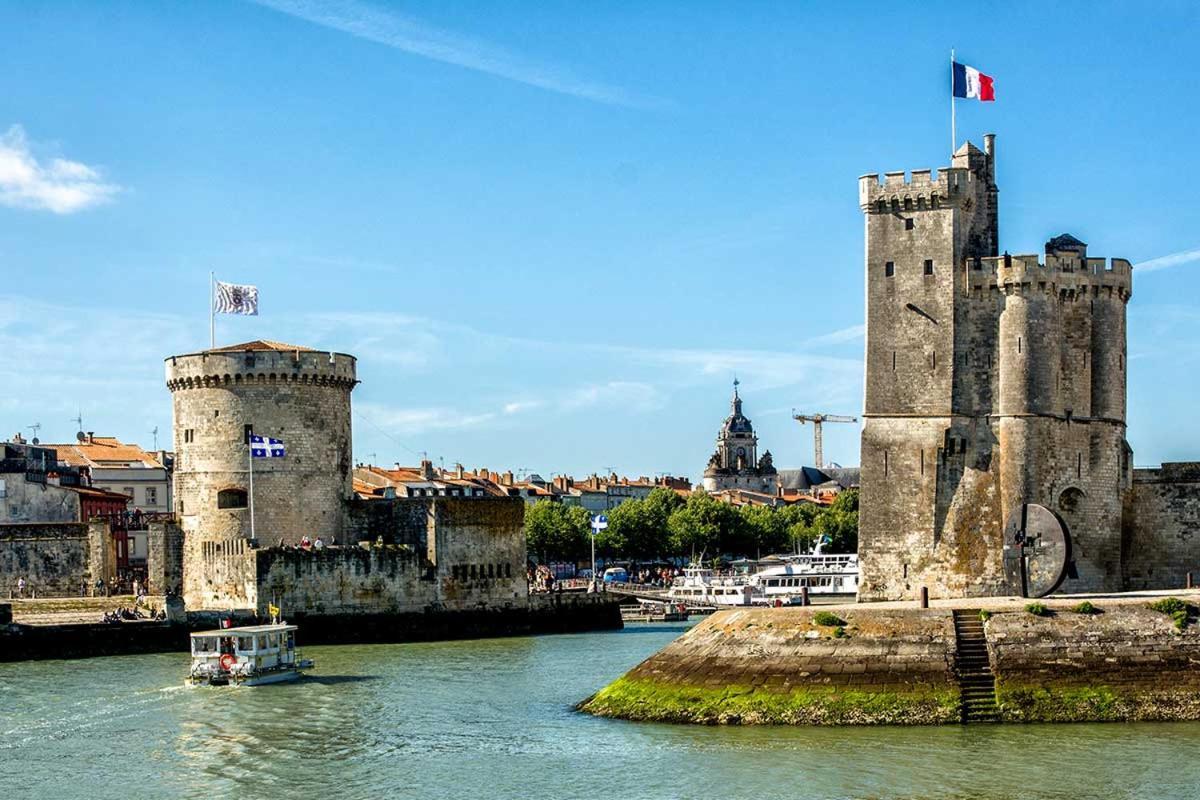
626 395
419 38
521 406
60 186
1164 262
410 421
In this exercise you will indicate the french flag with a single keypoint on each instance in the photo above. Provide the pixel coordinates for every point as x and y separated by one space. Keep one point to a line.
970 82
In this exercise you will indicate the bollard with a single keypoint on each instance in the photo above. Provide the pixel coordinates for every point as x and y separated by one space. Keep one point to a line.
804 601
1189 581
924 597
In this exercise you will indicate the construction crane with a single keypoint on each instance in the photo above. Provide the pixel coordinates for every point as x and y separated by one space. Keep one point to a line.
817 420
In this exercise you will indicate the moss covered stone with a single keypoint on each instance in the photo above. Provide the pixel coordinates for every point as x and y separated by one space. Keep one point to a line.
647 700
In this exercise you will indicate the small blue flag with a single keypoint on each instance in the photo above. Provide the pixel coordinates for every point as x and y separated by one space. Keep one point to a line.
266 447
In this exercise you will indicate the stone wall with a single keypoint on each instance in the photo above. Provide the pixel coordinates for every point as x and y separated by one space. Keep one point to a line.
51 557
441 553
1127 663
758 666
889 665
1162 526
164 561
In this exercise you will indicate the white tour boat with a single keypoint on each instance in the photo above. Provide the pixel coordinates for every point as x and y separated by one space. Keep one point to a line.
821 574
700 587
246 656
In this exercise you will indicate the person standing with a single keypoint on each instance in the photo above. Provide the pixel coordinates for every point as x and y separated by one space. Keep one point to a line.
21 586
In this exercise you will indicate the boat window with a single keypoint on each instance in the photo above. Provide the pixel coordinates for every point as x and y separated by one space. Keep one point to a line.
245 643
204 645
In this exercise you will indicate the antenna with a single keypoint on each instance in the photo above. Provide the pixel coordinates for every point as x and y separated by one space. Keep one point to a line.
78 420
35 427
373 457
154 433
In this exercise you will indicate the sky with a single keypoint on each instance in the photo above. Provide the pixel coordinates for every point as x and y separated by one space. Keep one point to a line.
554 233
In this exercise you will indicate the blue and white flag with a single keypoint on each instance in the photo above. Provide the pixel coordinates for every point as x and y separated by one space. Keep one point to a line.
266 447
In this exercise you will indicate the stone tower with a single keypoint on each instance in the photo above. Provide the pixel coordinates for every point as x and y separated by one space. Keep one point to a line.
991 381
735 464
291 393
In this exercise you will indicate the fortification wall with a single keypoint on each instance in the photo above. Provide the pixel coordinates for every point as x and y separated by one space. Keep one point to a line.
219 575
33 502
51 557
1162 526
759 666
300 397
164 558
344 580
479 551
890 665
1127 663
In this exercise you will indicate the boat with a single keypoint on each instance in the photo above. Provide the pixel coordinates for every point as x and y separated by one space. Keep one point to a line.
699 586
819 573
654 611
246 656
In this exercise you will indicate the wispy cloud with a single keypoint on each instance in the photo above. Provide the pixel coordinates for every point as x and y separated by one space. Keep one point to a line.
628 395
58 185
1165 262
414 36
411 421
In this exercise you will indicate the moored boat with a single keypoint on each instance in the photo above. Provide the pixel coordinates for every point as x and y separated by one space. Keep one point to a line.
246 656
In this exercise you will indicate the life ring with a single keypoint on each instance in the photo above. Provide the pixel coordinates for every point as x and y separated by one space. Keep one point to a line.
227 661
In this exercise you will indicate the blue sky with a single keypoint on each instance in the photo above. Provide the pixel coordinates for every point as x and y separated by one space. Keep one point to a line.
554 232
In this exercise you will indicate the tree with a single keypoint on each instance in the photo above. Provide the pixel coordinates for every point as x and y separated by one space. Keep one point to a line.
766 528
554 531
640 527
704 524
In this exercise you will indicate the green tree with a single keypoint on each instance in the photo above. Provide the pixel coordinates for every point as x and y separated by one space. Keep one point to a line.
766 529
798 520
556 532
640 527
704 524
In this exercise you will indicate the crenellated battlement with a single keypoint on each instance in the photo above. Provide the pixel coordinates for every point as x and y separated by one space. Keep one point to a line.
916 190
1057 273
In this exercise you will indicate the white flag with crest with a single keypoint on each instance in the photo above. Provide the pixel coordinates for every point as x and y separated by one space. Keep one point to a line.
232 298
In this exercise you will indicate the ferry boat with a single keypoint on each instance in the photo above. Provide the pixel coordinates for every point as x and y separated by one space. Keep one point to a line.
246 656
821 574
700 587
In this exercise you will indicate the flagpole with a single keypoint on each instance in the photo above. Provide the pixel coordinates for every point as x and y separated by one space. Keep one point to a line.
250 454
212 314
953 121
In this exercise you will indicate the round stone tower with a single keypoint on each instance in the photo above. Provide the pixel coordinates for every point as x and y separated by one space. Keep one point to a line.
294 394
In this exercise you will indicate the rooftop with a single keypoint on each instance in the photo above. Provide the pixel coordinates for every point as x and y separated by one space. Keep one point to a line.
260 344
103 451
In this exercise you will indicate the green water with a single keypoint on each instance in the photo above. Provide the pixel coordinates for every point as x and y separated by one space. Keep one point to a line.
493 719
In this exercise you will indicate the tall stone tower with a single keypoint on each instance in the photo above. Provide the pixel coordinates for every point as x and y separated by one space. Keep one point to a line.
991 381
286 392
735 464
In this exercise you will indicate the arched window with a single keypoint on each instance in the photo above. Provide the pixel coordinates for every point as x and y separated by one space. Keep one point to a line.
1070 499
231 498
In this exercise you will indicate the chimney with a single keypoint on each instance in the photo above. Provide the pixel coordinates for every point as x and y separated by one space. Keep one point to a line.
458 471
507 478
91 437
427 469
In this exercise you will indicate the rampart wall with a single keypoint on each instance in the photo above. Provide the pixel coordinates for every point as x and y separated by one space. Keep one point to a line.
1162 526
52 557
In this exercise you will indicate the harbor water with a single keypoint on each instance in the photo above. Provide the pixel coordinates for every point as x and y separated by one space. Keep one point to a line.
494 719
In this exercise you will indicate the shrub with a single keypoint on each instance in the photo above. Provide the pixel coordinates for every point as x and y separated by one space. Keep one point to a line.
828 619
839 632
1174 608
1085 608
985 615
1038 609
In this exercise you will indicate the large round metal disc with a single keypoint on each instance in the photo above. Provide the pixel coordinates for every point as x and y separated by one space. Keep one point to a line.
1037 544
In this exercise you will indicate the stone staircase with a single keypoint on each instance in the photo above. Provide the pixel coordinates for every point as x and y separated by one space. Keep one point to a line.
976 681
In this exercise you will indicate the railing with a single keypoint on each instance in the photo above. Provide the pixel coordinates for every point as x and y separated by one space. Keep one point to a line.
135 520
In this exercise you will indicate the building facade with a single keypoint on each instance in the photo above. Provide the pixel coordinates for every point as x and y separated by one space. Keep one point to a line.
735 464
992 381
